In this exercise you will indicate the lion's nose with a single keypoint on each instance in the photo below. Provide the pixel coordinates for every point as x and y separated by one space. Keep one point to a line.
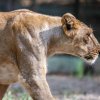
97 49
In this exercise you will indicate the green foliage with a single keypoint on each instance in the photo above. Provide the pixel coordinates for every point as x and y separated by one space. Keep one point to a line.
79 69
16 96
66 64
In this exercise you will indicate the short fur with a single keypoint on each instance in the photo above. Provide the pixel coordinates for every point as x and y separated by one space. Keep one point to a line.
28 38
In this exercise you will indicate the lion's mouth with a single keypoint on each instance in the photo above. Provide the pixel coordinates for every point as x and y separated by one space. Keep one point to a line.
92 56
90 59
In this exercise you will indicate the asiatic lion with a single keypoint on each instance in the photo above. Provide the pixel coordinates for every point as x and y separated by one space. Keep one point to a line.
28 38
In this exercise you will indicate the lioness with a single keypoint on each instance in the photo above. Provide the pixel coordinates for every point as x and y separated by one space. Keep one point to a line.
28 38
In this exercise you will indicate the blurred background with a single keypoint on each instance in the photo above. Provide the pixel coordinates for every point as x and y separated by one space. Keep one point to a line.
68 76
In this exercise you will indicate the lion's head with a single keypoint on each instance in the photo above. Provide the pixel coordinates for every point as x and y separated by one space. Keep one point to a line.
81 37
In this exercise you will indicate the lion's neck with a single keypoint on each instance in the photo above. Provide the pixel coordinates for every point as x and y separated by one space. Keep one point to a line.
51 39
50 34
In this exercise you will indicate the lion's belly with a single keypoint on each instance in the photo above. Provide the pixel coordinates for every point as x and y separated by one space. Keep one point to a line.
8 73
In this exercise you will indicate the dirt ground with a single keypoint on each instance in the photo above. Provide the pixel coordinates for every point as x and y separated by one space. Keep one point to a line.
66 88
73 88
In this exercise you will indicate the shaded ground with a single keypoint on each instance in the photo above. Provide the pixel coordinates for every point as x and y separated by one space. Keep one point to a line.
63 88
71 88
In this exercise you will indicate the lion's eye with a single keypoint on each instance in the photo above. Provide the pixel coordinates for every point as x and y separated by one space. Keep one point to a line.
68 26
88 34
86 39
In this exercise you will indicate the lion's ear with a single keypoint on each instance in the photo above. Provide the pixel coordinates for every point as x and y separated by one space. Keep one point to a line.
68 24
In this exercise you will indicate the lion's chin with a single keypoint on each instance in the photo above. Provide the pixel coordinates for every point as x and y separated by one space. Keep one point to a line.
91 61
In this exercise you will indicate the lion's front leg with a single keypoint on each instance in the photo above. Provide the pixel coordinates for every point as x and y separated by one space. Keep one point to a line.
32 73
34 80
37 87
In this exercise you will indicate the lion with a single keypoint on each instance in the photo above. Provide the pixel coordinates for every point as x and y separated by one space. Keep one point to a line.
27 38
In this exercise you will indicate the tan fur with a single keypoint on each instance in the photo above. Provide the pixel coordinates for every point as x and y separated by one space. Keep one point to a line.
28 38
